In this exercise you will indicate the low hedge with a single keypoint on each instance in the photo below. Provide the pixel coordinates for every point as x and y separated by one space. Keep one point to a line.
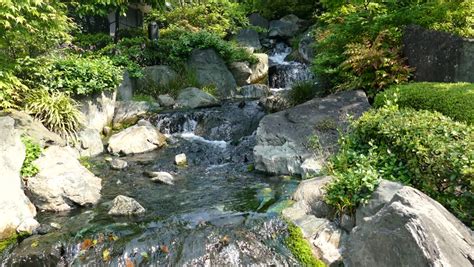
423 149
455 100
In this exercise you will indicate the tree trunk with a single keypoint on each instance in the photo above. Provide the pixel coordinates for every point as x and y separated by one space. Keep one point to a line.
117 23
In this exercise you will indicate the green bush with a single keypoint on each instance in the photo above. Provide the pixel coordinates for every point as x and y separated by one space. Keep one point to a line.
454 100
301 248
220 17
84 75
33 151
348 32
56 110
92 41
275 9
423 149
302 91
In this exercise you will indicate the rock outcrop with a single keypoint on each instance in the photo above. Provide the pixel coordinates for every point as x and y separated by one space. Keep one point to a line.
15 208
125 89
159 75
129 112
62 182
410 230
136 139
248 38
246 73
210 69
286 27
195 98
283 142
253 91
89 143
98 109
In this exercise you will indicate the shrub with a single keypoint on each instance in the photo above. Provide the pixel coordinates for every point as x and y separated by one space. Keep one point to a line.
84 75
454 100
56 110
220 17
33 151
301 248
302 92
345 27
275 9
92 41
423 149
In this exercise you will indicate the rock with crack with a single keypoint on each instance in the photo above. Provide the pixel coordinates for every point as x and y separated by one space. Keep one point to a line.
139 138
126 206
283 138
129 112
89 143
161 177
15 207
62 182
410 230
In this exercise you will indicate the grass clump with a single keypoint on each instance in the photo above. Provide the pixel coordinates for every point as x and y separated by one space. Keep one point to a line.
422 149
33 151
302 91
300 247
454 100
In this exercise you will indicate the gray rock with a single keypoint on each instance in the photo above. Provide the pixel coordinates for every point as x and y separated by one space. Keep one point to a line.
195 98
118 164
347 222
166 101
259 69
275 103
89 143
126 206
248 38
29 226
180 160
241 72
62 182
129 112
35 129
161 177
125 89
286 27
411 230
306 47
210 69
257 20
136 139
283 138
328 243
310 193
15 207
254 91
159 75
381 196
438 56
98 109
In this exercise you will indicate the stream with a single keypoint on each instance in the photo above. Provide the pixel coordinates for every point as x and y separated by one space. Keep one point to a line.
218 212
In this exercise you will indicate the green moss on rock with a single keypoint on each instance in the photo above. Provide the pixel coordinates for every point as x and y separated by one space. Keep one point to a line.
300 247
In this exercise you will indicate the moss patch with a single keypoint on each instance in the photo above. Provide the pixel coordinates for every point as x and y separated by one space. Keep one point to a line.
300 247
5 243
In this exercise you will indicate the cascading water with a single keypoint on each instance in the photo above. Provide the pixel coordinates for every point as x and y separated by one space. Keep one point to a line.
283 74
217 213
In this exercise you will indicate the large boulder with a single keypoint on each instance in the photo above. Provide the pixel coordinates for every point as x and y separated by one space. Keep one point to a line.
136 139
258 20
35 129
210 69
125 89
62 182
15 207
410 230
259 69
89 143
129 112
286 27
283 137
159 75
195 98
98 109
248 38
241 72
438 56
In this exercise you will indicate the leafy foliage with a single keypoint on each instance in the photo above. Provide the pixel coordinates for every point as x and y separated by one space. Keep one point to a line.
302 92
451 99
301 248
220 17
275 9
33 151
423 149
56 110
352 33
